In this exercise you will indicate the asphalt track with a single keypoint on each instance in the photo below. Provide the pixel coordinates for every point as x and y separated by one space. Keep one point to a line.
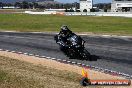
113 53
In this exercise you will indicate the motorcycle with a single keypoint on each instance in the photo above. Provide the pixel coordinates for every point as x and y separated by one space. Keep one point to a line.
73 47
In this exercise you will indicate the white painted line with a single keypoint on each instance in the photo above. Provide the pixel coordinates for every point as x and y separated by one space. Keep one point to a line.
30 54
11 31
59 59
53 58
92 66
73 62
79 63
7 50
123 74
106 35
126 74
82 34
13 51
83 64
19 52
87 65
119 73
114 72
36 55
64 60
48 57
96 68
25 53
43 56
68 61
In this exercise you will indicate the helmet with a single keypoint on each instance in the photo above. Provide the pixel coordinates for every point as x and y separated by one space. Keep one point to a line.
65 30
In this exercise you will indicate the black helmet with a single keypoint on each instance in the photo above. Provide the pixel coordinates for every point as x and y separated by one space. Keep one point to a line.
65 30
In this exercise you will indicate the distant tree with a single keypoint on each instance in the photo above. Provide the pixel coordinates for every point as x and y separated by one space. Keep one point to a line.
84 10
30 5
48 6
41 7
109 6
67 5
52 6
71 10
57 6
101 6
105 10
61 6
9 4
18 4
92 10
76 5
35 5
1 5
25 5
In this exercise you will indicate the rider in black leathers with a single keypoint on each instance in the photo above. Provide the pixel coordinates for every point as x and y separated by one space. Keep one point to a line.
71 44
64 34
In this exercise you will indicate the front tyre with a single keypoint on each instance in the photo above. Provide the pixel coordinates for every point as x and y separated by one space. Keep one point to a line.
86 55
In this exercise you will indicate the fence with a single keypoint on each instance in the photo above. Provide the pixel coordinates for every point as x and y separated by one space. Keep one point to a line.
122 14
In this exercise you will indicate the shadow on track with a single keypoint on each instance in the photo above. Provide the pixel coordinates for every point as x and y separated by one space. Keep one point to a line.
92 58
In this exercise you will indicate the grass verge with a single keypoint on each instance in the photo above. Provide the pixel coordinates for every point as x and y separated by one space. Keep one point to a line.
18 74
42 23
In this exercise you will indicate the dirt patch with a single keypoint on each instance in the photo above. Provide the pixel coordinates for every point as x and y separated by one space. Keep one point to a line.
59 66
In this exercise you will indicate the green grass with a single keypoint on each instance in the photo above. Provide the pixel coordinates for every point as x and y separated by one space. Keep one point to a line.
105 25
3 75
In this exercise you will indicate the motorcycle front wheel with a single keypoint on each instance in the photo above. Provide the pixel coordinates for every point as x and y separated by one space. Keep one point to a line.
85 55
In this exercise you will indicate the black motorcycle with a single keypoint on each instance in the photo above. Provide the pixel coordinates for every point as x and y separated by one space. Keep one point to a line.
73 47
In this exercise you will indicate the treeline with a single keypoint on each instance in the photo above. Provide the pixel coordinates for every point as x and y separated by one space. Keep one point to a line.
55 5
103 6
4 4
20 5
39 5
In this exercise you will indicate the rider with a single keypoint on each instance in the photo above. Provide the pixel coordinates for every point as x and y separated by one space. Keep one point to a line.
64 34
71 44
